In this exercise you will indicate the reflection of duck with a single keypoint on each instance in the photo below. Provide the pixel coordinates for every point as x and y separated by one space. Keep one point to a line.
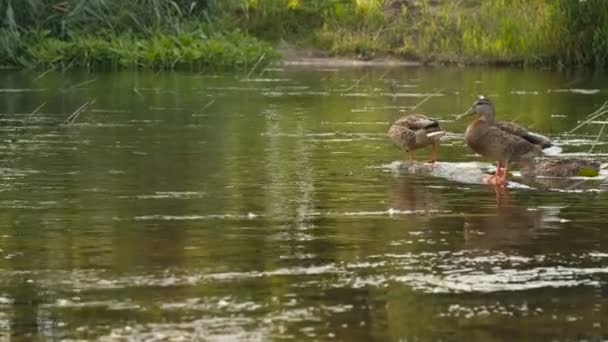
416 131
501 226
501 141
407 196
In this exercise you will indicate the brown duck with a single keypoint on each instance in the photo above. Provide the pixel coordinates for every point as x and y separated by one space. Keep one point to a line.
416 131
503 142
562 168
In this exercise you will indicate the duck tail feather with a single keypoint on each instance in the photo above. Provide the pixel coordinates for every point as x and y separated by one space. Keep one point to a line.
435 134
552 150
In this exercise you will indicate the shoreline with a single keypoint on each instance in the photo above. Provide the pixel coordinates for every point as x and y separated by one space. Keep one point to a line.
294 57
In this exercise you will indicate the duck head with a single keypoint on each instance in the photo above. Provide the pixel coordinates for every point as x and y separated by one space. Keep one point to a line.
483 108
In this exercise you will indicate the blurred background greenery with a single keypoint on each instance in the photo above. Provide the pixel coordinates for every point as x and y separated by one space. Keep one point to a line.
237 34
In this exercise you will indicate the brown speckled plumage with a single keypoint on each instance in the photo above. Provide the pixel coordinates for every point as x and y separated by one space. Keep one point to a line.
493 142
501 141
561 168
411 132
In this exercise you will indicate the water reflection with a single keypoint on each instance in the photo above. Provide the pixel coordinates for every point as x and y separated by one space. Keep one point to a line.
502 226
407 195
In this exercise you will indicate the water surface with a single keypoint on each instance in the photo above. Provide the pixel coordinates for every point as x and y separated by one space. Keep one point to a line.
184 206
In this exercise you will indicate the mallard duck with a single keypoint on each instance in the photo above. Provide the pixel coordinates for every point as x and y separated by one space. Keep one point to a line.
503 142
562 168
415 131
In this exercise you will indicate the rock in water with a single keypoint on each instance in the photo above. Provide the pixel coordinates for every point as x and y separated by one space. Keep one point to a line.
467 173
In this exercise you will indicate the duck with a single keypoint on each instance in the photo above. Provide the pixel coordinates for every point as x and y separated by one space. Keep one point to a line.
415 131
503 142
563 168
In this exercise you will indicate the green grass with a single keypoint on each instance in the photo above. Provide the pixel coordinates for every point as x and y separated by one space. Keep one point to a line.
191 50
485 31
233 34
117 34
555 32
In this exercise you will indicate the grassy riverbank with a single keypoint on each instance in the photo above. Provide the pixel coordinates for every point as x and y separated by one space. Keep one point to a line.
237 34
195 50
113 34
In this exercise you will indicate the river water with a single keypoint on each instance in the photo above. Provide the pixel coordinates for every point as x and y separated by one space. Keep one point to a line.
184 206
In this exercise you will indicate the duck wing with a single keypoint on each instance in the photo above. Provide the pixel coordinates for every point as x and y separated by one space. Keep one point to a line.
533 138
418 121
497 144
402 136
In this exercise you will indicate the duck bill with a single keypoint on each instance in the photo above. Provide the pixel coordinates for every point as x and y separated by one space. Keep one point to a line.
469 112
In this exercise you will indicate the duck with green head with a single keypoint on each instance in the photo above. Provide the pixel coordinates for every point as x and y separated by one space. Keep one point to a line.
503 142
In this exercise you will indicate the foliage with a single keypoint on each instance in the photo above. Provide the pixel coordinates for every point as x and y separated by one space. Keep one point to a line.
209 33
569 32
583 32
63 18
194 50
112 33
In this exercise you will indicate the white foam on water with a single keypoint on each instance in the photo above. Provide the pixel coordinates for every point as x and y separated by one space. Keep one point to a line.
265 80
356 95
575 91
585 154
389 212
21 90
195 217
412 94
524 92
579 142
503 280
173 194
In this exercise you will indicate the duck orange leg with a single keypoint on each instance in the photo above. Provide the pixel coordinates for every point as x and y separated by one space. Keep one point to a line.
499 178
495 178
433 154
498 171
505 174
410 156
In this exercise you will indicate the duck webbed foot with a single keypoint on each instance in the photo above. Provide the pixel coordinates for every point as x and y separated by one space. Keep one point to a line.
495 180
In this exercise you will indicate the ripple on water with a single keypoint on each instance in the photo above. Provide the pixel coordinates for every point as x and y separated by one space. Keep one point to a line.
173 195
207 329
575 91
470 311
502 280
195 217
265 80
440 272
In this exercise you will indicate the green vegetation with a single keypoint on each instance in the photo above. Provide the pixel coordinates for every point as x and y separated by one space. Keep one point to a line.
195 50
563 32
117 34
236 34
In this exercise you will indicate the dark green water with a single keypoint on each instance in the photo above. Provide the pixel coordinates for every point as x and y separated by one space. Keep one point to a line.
183 206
